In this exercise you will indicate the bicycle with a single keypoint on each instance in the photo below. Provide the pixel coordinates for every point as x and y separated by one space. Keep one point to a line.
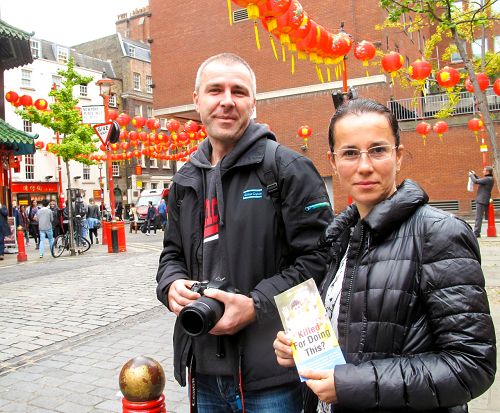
61 244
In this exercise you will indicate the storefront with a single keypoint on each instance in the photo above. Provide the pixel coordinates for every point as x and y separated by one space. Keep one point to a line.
25 192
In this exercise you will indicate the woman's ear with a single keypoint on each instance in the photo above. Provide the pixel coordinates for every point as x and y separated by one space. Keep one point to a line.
399 157
331 159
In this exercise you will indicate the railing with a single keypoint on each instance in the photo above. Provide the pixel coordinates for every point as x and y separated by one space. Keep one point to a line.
427 106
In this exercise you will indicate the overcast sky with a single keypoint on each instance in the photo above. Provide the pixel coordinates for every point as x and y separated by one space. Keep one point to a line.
67 22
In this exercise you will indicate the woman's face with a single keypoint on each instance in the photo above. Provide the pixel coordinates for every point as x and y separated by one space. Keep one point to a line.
368 181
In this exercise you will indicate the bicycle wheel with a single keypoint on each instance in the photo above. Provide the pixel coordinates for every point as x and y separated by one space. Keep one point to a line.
82 243
60 244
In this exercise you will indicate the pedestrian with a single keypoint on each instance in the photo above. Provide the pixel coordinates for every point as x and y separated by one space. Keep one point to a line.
56 225
15 214
93 221
485 186
162 211
223 223
44 216
24 223
151 218
133 218
119 211
404 289
33 223
4 229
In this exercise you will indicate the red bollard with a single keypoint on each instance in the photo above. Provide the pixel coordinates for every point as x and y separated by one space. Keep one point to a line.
21 248
152 406
492 230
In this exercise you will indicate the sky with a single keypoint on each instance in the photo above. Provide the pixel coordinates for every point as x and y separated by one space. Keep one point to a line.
66 22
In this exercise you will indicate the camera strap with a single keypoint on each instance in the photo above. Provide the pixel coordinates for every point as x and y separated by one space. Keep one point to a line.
193 405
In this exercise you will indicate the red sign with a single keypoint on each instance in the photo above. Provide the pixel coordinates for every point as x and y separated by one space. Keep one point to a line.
34 187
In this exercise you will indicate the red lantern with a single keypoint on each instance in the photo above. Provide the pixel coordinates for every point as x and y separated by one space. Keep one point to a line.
138 122
114 147
26 100
103 148
476 125
287 22
123 120
112 115
41 104
309 42
447 77
440 127
423 129
138 168
137 154
302 31
364 51
11 97
125 145
39 144
191 127
481 78
272 9
341 44
173 125
183 138
420 69
143 137
304 132
392 62
153 124
496 87
202 133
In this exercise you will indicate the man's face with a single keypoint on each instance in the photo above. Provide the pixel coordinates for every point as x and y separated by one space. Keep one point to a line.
52 205
225 100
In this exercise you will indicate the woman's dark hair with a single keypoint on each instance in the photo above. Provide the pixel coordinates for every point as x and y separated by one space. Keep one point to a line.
358 107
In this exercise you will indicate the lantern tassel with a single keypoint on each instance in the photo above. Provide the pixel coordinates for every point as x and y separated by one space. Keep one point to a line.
230 12
274 47
293 64
320 74
283 53
328 74
256 31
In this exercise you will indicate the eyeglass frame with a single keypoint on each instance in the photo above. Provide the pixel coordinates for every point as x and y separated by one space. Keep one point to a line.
357 158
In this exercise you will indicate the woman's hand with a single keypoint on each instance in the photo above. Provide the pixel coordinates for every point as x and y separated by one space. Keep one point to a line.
322 384
283 349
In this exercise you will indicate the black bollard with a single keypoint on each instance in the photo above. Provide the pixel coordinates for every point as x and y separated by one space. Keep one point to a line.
114 239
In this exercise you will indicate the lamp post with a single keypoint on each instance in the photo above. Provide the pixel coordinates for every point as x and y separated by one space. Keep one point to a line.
105 91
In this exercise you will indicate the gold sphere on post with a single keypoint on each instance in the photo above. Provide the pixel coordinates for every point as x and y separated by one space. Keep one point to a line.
142 379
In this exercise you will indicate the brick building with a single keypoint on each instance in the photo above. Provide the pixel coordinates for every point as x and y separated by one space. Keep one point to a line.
183 34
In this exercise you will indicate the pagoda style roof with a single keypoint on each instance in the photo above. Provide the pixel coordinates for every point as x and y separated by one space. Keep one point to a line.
15 47
12 139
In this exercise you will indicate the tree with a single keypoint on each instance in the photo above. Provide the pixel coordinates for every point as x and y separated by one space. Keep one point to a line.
460 25
65 119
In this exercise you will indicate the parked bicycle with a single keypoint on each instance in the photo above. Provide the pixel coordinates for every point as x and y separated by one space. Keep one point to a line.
61 243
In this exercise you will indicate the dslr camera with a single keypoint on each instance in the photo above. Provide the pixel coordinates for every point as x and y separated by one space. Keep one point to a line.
199 317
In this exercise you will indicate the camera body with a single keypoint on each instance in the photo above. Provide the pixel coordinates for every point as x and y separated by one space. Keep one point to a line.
199 317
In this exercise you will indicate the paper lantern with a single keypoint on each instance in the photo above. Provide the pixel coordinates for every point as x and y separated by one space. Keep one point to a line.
341 44
440 127
153 124
496 87
420 69
305 133
392 62
423 129
364 51
112 114
26 100
123 120
482 79
173 125
39 144
11 97
138 122
41 104
272 9
447 77
476 125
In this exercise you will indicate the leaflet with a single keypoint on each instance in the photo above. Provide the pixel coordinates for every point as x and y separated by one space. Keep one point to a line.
304 318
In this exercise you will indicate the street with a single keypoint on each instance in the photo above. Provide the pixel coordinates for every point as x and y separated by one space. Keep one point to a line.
68 325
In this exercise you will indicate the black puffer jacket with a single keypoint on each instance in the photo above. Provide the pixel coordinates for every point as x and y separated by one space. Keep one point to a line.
414 320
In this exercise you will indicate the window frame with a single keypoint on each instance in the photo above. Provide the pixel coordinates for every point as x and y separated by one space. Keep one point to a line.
115 166
35 47
136 81
62 54
29 166
149 84
86 172
26 77
84 92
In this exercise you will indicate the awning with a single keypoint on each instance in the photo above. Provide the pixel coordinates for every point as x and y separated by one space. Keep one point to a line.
12 139
15 47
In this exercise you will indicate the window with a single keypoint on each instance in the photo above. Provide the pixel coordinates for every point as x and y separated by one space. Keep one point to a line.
153 163
57 80
29 166
131 50
83 91
86 172
163 123
149 84
137 110
116 168
35 48
476 47
62 55
25 78
497 44
154 185
455 57
149 111
137 81
112 101
27 126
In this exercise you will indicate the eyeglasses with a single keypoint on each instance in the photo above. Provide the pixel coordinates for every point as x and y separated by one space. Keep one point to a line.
375 153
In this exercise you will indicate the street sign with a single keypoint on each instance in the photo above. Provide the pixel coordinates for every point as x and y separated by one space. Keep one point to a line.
103 130
93 114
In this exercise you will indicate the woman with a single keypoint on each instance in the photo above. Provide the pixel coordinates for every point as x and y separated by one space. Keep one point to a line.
93 220
133 218
4 228
33 223
404 289
24 222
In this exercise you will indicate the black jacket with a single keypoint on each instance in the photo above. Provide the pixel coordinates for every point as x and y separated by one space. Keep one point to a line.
485 185
414 322
255 260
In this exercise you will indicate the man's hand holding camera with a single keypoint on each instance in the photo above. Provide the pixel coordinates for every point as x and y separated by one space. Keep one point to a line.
239 311
180 295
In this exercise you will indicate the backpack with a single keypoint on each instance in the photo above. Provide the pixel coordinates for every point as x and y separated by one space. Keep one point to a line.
268 174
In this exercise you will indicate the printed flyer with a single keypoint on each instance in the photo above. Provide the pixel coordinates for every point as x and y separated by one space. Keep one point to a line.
304 318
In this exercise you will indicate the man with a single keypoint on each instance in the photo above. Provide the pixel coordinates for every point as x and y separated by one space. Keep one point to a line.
485 185
93 220
56 225
162 211
44 216
151 218
223 223
4 228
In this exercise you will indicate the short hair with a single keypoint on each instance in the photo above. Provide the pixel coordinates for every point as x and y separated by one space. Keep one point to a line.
358 107
229 59
45 202
489 169
91 199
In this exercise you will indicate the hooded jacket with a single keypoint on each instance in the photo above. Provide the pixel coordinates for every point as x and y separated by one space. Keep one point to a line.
255 260
414 321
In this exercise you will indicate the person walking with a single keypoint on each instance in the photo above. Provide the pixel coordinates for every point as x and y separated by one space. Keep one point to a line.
151 218
119 211
404 289
93 221
133 218
4 229
33 223
162 211
24 223
485 186
224 224
44 216
56 225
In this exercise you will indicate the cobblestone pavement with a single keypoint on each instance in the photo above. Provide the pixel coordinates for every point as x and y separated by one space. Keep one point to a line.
68 325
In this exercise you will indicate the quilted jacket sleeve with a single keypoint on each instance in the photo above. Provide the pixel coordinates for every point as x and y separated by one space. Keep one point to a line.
460 363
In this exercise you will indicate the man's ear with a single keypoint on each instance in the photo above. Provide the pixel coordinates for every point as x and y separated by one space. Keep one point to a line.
195 101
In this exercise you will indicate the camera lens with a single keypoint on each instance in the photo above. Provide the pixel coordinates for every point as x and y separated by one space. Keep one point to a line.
199 317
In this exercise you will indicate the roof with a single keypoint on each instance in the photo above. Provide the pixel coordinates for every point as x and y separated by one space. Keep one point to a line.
12 139
15 47
141 51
